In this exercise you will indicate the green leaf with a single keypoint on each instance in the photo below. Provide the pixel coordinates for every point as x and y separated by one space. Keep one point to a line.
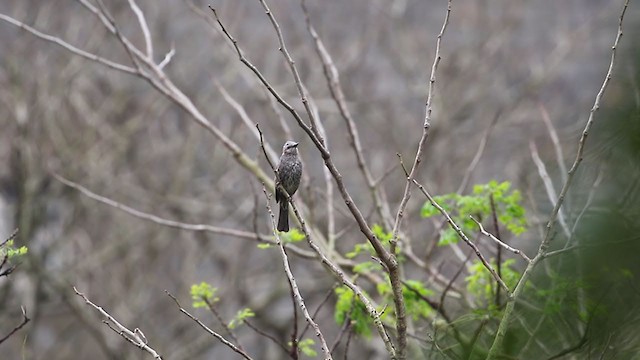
17 252
264 246
241 315
306 346
11 252
510 212
366 267
349 307
448 236
379 232
292 236
416 305
203 293
481 284
358 249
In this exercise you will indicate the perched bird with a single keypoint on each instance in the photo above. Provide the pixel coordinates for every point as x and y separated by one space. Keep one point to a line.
289 173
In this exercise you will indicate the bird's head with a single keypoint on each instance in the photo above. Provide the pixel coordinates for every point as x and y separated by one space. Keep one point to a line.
290 147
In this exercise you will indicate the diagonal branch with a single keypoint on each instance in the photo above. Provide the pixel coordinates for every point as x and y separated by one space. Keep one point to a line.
335 88
207 329
56 40
129 335
464 237
25 320
500 242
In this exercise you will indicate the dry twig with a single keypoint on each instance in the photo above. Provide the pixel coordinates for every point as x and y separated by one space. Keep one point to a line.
127 334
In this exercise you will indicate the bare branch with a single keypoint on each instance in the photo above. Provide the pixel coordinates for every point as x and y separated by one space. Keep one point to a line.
121 329
167 58
425 130
164 85
10 237
548 185
553 134
207 329
499 242
476 159
245 118
294 285
71 48
24 322
144 26
176 224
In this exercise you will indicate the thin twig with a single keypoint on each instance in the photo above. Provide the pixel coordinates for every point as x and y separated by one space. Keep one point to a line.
479 152
464 237
499 242
10 237
268 336
555 140
122 330
176 224
322 303
71 48
496 226
425 130
207 329
560 251
144 27
167 58
24 322
548 185
248 122
224 324
294 285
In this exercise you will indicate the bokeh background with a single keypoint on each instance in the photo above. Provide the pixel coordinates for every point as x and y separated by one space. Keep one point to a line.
506 65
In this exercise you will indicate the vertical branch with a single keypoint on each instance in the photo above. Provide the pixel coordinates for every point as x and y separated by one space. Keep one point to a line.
496 347
425 130
145 28
294 285
494 215
553 134
548 185
397 289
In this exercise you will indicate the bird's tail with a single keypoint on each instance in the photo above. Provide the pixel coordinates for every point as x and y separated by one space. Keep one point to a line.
283 218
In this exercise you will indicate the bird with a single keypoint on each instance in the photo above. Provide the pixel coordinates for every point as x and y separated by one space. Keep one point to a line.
288 176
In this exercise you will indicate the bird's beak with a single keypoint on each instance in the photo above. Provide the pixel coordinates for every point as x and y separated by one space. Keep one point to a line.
295 145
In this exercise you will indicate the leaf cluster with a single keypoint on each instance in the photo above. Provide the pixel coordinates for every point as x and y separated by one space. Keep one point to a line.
509 211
